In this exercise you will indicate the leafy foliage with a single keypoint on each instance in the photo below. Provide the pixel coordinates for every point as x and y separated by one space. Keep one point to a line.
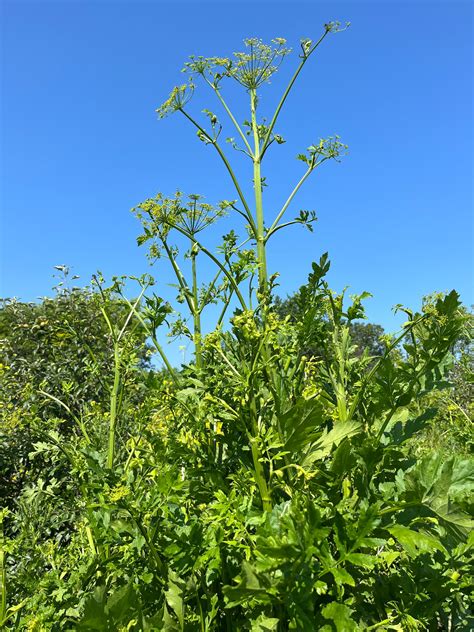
55 359
367 337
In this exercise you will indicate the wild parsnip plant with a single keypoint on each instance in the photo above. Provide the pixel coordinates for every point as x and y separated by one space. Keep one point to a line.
259 487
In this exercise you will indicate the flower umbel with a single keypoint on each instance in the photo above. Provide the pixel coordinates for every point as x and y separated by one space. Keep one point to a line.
251 68
326 149
179 96
191 215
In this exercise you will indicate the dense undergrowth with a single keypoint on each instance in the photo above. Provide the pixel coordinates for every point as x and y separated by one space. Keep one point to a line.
286 479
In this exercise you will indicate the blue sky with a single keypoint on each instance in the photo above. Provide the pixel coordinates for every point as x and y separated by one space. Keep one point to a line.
82 143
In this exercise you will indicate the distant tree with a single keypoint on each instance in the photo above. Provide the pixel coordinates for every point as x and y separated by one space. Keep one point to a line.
365 336
57 361
452 429
61 346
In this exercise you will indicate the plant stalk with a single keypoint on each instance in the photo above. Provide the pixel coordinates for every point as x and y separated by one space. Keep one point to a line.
196 315
259 471
257 183
3 585
113 407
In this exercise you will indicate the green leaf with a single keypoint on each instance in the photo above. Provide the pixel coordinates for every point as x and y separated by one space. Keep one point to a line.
264 624
440 485
249 586
415 542
340 615
402 426
300 423
341 576
174 597
169 624
95 616
324 445
147 577
121 602
361 559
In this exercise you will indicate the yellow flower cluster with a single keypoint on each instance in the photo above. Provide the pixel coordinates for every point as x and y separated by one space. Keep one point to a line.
311 391
11 418
179 96
166 391
310 370
159 423
118 492
34 625
245 324
185 437
215 426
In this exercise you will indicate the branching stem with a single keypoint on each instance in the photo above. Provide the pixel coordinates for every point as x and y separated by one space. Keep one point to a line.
231 116
214 142
257 184
267 139
285 206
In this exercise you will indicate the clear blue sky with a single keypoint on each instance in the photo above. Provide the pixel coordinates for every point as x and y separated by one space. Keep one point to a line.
82 144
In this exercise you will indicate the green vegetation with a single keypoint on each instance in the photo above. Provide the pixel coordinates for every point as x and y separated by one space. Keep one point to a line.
304 472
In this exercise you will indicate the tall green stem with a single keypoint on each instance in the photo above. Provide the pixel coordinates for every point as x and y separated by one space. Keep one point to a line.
305 58
214 142
259 470
113 407
231 116
153 338
260 476
196 314
257 183
3 579
221 267
179 275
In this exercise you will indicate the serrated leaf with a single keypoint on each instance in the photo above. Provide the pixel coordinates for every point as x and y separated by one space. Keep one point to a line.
121 602
415 542
341 576
264 624
439 484
362 559
249 586
300 423
324 445
340 615
174 597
